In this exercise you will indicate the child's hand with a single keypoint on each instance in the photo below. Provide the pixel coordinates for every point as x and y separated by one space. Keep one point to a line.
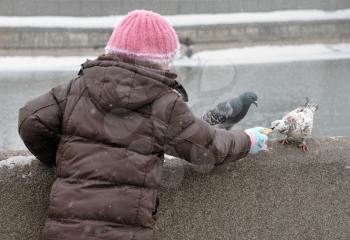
257 138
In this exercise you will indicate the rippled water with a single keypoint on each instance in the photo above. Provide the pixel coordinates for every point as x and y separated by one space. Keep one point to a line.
281 87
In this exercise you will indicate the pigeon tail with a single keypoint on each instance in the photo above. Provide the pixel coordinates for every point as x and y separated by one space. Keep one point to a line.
313 107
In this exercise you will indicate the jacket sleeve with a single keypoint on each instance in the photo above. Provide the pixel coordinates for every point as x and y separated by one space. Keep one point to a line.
194 140
39 123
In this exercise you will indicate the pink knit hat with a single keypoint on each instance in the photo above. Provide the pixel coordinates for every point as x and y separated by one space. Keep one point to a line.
144 35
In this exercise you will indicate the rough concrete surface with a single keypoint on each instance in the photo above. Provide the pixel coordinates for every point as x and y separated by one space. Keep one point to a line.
23 199
280 194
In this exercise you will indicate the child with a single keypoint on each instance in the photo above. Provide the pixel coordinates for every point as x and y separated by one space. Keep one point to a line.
107 130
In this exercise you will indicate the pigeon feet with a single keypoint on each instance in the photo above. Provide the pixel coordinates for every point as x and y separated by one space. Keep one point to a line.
303 147
284 141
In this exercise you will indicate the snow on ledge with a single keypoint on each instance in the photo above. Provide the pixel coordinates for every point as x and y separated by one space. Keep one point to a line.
177 20
41 63
233 56
17 161
169 157
268 54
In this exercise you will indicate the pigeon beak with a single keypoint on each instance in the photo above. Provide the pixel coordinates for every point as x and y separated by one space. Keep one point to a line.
255 103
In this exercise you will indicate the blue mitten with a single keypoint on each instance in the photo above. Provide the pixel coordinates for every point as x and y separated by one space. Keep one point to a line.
257 138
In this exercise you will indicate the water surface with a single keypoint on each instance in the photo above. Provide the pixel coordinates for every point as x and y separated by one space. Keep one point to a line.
281 87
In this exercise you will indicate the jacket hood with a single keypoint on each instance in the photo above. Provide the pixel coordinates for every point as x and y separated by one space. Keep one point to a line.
120 84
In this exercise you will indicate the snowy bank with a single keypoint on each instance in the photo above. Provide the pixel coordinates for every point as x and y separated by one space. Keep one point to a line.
178 20
268 54
16 161
39 63
237 56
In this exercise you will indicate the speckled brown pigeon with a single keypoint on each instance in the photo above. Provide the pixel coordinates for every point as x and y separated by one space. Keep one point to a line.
297 124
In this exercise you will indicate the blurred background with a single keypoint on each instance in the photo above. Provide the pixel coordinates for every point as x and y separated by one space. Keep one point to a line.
282 50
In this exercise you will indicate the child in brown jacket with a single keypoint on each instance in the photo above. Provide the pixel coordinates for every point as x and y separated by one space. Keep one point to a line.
107 130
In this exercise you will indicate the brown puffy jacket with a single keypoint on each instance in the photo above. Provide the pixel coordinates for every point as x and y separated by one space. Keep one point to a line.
107 131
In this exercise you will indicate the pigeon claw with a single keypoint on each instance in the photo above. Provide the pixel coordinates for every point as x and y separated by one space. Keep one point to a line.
284 141
303 147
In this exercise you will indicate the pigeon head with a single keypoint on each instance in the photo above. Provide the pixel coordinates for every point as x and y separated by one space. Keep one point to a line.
279 125
249 98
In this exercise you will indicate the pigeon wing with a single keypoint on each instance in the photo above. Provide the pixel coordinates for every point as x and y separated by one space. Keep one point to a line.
218 114
300 122
308 121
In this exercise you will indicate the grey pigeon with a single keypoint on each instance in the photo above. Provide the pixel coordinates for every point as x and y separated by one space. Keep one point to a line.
297 124
230 112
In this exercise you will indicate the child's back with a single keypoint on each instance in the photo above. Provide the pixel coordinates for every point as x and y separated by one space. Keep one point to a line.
107 131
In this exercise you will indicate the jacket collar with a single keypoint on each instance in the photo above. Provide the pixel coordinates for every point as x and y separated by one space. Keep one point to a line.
146 68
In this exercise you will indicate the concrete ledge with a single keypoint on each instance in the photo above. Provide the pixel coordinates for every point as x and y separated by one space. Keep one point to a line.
280 194
75 41
24 197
